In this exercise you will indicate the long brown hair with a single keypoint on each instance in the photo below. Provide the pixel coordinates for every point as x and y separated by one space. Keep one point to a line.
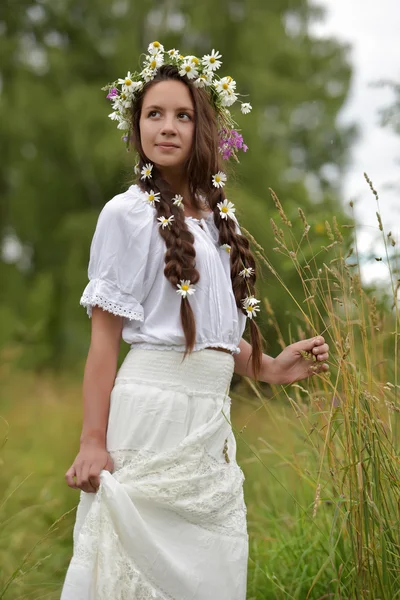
204 161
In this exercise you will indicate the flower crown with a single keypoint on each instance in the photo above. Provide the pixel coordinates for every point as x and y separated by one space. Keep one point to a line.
202 72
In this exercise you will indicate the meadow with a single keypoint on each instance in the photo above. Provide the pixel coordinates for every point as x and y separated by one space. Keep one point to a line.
320 456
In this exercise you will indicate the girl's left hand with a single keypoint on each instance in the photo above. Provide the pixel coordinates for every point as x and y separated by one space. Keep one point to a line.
295 362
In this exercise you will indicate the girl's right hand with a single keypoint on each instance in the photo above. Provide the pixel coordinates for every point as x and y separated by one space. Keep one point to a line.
86 467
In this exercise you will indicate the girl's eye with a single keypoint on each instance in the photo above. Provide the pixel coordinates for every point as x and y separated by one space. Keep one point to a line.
156 112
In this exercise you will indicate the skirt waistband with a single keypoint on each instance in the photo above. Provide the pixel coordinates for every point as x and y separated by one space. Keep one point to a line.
203 371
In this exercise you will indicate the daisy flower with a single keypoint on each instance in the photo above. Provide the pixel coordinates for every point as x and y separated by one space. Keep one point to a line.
250 305
173 53
211 62
247 272
164 222
250 301
219 179
127 82
178 200
152 197
146 171
203 80
189 69
124 101
245 107
228 98
136 169
252 310
226 84
226 247
154 61
114 116
155 48
226 209
148 74
124 125
192 59
185 288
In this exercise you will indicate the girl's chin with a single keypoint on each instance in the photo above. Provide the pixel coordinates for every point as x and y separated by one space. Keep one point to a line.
169 164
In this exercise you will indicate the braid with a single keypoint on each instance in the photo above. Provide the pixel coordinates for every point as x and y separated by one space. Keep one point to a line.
180 255
240 257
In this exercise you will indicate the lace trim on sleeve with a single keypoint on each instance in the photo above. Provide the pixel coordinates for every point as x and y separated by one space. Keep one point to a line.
108 297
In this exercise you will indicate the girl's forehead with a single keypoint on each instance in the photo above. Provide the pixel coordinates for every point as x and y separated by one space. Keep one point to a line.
169 94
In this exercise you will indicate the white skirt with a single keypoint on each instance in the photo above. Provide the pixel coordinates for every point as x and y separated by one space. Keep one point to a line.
170 522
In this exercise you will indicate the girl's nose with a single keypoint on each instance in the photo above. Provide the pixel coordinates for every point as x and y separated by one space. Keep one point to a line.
168 125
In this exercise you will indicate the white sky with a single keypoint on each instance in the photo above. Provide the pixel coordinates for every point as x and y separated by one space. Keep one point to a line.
372 28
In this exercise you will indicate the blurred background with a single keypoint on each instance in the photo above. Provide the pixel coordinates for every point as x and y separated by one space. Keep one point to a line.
315 127
323 79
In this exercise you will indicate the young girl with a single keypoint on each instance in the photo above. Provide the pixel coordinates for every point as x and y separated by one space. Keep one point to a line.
161 512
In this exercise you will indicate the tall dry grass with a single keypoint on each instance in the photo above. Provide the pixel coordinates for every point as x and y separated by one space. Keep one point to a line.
322 458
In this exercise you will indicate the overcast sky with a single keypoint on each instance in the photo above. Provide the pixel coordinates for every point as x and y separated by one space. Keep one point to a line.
372 28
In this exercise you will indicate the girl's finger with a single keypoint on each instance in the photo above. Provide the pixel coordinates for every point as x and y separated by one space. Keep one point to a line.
69 477
86 485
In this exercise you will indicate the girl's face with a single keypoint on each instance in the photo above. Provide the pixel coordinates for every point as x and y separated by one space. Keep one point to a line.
167 125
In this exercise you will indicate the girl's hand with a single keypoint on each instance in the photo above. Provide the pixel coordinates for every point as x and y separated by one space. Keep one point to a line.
91 459
295 362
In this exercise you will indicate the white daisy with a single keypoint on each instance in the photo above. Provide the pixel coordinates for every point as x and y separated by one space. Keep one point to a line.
164 222
246 107
228 98
226 209
152 197
247 272
146 171
137 86
250 305
252 310
203 80
124 125
173 53
193 60
219 179
136 169
154 61
114 116
127 82
124 101
226 247
178 200
189 69
185 288
250 301
148 74
211 62
155 47
226 84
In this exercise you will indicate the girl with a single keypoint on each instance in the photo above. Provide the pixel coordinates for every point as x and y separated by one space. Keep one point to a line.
161 512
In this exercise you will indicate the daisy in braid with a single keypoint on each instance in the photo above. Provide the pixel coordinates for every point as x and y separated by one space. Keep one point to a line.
162 513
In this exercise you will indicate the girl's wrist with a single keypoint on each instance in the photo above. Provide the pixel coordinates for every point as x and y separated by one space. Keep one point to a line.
93 438
269 372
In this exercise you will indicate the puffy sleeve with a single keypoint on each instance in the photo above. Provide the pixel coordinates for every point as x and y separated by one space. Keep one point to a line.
118 257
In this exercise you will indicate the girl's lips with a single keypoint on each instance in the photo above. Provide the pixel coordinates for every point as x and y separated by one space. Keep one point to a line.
166 146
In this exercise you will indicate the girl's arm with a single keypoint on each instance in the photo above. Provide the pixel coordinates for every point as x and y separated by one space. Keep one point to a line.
243 365
98 381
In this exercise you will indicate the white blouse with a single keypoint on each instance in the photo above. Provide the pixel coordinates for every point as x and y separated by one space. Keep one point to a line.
126 278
